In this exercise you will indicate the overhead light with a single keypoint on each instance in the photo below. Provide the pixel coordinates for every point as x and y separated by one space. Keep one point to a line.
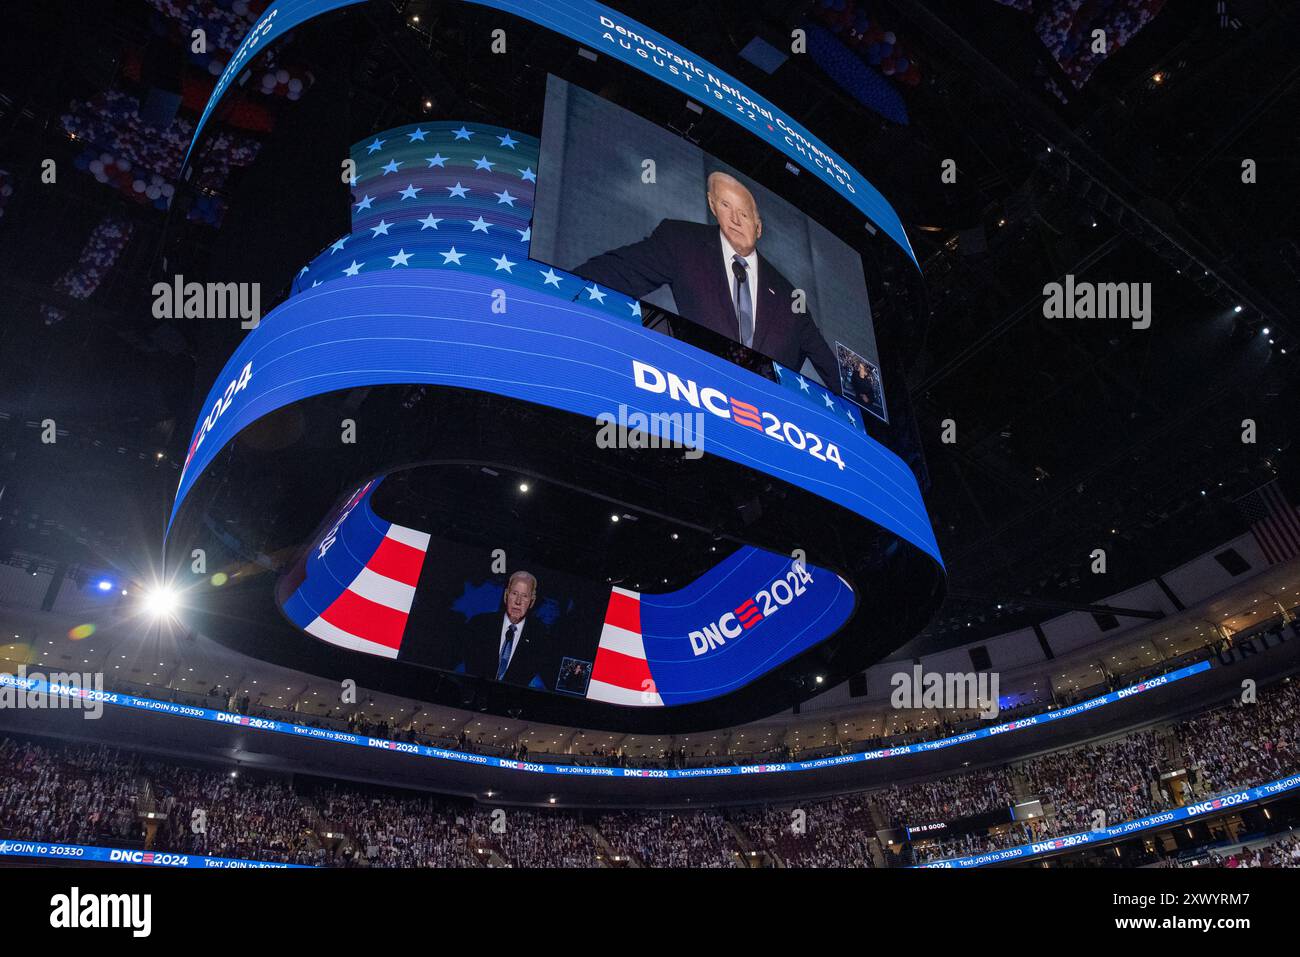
160 601
613 518
1236 308
523 486
105 585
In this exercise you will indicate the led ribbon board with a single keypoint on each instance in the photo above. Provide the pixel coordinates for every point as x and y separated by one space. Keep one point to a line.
134 702
609 32
1238 798
69 853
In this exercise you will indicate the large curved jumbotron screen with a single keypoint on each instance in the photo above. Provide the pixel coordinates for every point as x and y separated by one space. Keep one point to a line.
618 430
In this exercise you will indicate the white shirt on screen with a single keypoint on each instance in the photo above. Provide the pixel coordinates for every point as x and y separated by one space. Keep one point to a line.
751 275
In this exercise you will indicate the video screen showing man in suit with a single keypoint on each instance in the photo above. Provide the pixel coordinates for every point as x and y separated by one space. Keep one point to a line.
511 645
475 616
716 258
719 279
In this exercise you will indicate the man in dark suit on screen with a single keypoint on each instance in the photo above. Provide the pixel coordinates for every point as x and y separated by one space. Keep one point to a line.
720 281
511 645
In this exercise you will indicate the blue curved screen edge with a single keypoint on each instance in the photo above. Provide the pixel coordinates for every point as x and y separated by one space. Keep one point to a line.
434 327
610 32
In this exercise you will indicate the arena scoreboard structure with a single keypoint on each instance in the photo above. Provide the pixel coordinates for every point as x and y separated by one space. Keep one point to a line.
445 331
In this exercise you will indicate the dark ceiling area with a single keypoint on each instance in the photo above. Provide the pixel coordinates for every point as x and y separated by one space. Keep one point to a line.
1070 434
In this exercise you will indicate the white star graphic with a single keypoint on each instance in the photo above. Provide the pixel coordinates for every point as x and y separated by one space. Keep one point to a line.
353 269
418 134
315 284
504 263
458 190
377 145
483 163
303 271
391 167
381 229
827 399
462 133
525 234
400 259
452 256
411 190
429 222
849 413
593 292
437 159
528 174
803 385
549 278
636 308
505 197
365 202
480 225
507 141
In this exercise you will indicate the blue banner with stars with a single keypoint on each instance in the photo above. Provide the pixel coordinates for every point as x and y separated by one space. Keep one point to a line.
450 195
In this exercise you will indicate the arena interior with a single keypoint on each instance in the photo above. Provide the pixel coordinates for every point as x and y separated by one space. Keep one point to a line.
787 435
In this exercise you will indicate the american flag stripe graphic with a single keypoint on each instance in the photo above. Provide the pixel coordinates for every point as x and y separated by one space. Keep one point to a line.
1274 522
620 673
370 615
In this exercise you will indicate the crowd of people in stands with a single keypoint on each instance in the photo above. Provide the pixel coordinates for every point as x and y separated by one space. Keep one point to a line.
98 795
1246 742
666 839
526 838
973 792
833 833
78 795
393 831
224 816
1116 777
1280 853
